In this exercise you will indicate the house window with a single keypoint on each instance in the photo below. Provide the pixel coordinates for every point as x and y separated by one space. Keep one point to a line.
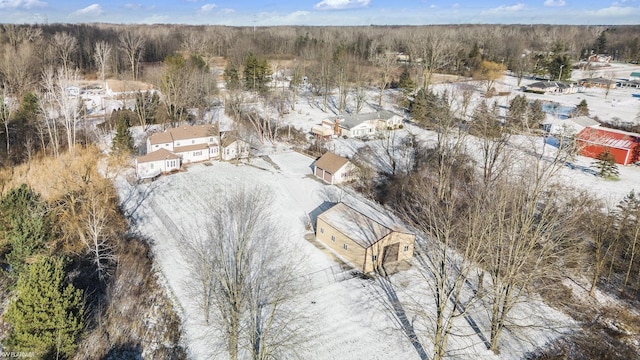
197 153
333 238
193 141
157 146
406 248
374 257
321 230
344 246
177 144
210 139
151 166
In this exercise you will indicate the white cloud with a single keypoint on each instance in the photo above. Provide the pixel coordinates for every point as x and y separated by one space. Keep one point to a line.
555 3
505 8
226 11
27 4
92 10
207 8
613 11
341 4
132 6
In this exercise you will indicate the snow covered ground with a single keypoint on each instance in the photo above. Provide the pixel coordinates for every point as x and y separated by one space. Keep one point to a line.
351 318
348 318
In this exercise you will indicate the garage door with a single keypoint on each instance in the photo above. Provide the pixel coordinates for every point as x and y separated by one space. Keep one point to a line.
390 253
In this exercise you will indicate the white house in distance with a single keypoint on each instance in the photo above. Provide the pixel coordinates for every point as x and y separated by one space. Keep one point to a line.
232 147
357 125
569 126
333 168
155 163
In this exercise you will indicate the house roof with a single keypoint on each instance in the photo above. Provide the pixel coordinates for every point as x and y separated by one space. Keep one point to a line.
182 149
635 74
331 162
184 132
543 85
228 139
158 155
349 121
609 137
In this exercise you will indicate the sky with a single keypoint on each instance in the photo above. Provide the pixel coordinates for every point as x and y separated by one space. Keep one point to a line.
322 12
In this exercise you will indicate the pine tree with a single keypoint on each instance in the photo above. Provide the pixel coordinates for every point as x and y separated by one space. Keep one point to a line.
24 224
606 165
582 109
231 77
122 142
405 83
46 315
516 116
256 73
536 115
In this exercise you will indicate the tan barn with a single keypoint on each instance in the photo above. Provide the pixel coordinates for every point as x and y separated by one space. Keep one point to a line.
366 238
333 169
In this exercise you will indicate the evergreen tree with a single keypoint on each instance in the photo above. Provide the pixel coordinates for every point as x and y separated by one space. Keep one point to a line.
517 114
536 115
582 109
559 68
601 43
46 315
24 224
122 142
606 165
405 83
232 77
256 73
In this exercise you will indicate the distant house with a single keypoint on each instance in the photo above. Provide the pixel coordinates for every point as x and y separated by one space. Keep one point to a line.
547 87
598 83
325 130
634 76
364 236
568 126
623 145
600 58
333 169
191 143
232 147
157 162
359 125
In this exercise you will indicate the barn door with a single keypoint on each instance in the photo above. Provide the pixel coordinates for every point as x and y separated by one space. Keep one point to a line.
390 253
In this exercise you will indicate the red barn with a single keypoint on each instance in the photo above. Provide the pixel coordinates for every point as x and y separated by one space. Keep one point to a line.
623 145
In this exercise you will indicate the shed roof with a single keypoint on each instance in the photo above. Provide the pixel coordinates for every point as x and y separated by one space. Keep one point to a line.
363 230
635 74
158 155
182 149
352 120
331 162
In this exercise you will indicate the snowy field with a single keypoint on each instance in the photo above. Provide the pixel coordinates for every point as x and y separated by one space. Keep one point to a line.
353 318
348 318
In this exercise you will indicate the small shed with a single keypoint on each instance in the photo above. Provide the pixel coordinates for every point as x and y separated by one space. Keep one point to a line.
333 168
623 145
364 236
156 163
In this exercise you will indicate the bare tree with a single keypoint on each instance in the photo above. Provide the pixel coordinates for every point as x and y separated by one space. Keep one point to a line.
101 55
7 109
61 103
133 46
385 63
64 45
604 242
242 277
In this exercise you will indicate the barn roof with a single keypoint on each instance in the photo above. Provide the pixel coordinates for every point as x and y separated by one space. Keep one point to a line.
158 155
609 137
331 162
